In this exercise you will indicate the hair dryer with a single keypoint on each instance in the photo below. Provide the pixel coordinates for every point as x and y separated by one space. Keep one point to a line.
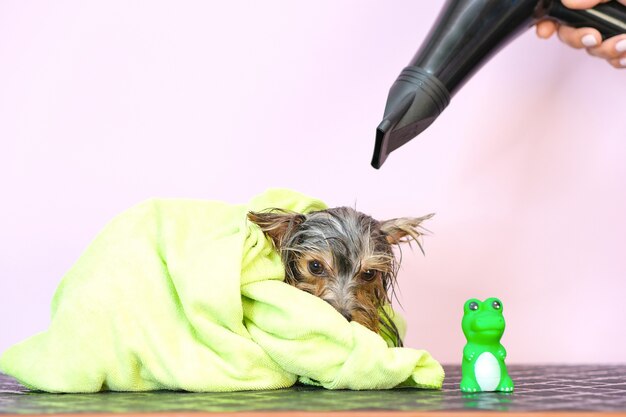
467 33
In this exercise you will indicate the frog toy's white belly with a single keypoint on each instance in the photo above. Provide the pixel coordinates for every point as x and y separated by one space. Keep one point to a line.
487 371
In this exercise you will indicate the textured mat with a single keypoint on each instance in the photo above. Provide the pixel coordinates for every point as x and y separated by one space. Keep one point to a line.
538 388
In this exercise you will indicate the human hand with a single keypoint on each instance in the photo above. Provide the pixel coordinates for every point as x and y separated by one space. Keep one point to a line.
612 49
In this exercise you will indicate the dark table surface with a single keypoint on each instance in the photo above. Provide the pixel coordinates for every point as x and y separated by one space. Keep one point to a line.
592 388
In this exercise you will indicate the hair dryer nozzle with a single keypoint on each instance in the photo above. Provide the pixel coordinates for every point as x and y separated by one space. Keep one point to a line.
414 102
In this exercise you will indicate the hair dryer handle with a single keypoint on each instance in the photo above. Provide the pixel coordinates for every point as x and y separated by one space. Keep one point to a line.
609 18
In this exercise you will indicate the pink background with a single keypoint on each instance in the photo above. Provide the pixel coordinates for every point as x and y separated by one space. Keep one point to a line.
106 103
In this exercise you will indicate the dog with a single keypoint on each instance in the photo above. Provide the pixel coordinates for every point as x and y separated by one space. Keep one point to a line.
344 257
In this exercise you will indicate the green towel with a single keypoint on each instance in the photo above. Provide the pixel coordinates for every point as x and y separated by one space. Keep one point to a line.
188 295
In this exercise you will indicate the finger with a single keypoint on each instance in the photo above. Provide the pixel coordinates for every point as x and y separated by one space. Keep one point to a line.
611 48
618 62
581 4
579 38
546 28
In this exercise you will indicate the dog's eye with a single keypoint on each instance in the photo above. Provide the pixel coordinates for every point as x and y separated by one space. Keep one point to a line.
316 267
369 274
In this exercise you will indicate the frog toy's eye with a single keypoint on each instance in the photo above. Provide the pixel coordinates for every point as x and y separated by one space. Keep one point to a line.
496 305
473 306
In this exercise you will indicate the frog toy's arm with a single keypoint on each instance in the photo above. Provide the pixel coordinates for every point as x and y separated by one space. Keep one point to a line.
469 352
501 352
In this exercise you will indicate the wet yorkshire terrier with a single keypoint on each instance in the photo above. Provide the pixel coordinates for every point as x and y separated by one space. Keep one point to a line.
344 257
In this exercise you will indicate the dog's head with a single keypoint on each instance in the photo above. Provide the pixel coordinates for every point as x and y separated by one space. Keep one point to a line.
343 257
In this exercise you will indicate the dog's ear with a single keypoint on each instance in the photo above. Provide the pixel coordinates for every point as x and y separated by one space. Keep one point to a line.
405 229
276 224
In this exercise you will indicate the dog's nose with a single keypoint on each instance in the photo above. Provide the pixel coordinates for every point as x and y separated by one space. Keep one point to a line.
346 314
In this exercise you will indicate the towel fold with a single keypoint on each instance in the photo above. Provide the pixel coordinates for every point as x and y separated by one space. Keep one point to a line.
189 295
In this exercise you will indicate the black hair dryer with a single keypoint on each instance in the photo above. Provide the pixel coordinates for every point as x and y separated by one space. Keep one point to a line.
467 33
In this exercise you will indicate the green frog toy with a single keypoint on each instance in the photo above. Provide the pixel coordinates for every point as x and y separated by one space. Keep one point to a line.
483 356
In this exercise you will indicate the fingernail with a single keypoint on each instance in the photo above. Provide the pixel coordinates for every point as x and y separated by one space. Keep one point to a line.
589 40
622 62
621 45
